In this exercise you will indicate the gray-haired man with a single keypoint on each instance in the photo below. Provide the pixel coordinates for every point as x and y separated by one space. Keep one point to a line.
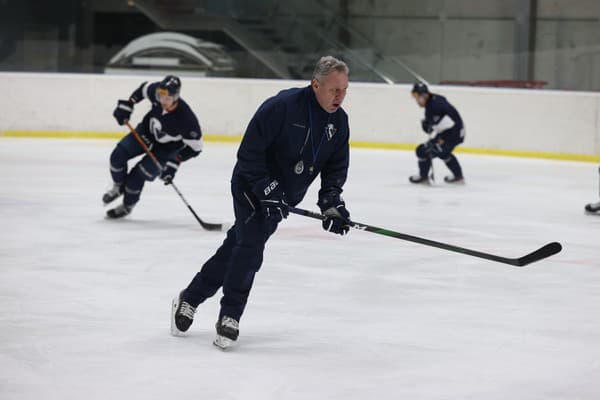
291 139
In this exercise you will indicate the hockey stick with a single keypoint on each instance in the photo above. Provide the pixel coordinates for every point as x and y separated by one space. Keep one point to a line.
205 225
431 176
431 157
537 255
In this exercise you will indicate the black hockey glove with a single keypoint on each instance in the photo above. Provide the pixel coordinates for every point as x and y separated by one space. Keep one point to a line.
169 171
186 154
272 200
123 111
427 128
337 217
433 148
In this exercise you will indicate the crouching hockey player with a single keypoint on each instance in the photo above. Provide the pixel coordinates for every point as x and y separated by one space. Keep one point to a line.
291 139
443 119
171 131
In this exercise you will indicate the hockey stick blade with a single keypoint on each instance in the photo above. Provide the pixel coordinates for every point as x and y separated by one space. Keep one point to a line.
212 227
205 225
541 253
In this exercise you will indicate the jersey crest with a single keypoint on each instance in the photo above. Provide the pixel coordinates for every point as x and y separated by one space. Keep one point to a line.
330 130
156 128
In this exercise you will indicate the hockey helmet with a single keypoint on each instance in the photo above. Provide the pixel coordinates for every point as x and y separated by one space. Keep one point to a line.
170 86
419 89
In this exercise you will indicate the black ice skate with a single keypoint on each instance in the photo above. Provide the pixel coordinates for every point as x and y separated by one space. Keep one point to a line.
118 212
592 207
182 316
112 194
419 179
454 179
227 332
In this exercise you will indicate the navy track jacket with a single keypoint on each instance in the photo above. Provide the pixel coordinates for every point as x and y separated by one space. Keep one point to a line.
292 139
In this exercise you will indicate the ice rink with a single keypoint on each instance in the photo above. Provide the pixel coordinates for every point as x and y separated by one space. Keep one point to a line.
84 301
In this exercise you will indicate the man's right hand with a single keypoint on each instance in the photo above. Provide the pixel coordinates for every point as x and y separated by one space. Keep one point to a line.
274 210
123 111
272 200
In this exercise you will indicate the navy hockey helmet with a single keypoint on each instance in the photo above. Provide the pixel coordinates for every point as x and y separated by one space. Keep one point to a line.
170 86
419 89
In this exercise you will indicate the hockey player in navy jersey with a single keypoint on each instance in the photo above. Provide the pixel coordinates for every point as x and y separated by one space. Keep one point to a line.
444 122
291 139
170 129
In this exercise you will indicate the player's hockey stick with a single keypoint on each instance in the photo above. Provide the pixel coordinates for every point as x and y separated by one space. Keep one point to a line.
537 255
432 173
205 225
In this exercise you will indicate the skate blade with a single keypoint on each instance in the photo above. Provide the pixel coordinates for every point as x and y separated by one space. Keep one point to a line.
113 217
174 330
105 203
222 342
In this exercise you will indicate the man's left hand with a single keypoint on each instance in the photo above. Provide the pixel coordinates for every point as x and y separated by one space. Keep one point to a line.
168 173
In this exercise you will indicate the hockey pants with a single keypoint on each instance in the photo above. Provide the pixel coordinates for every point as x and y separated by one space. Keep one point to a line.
425 153
237 260
144 170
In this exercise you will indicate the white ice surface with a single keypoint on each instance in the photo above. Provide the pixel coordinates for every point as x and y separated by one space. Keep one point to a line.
84 302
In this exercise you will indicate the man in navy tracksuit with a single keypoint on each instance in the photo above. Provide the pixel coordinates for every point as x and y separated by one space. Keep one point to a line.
293 137
442 118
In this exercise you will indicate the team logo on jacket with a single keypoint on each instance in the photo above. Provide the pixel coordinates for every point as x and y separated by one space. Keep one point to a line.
330 131
299 167
156 128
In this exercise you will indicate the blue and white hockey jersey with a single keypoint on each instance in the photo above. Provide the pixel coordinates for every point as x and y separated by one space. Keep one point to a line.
178 127
443 118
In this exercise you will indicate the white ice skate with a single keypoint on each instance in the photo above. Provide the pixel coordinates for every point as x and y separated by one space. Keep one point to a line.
112 193
182 316
227 332
118 212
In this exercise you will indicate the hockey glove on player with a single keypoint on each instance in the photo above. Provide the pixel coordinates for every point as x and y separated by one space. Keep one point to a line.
433 148
169 171
337 217
272 200
186 154
427 128
123 111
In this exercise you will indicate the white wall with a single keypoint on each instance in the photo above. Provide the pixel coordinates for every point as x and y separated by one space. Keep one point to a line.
528 120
